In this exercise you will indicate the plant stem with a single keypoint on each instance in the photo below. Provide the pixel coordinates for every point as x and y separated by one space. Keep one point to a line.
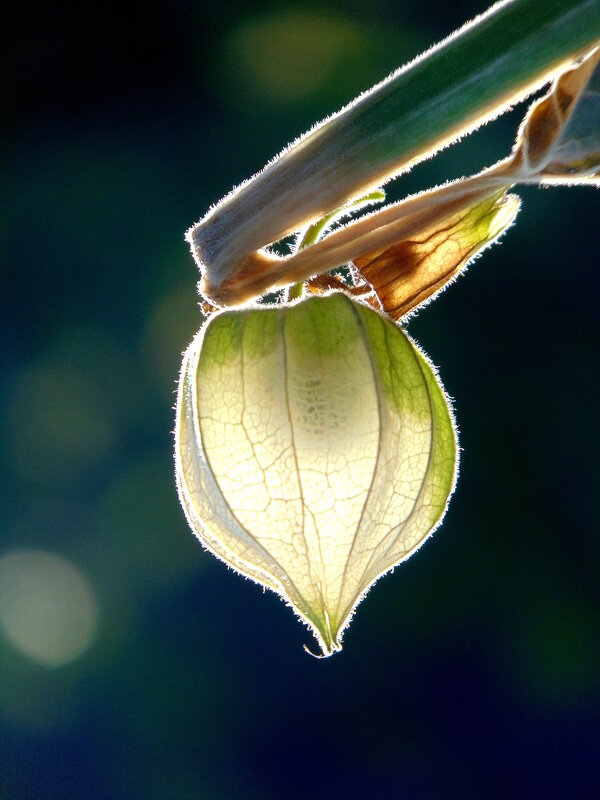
489 64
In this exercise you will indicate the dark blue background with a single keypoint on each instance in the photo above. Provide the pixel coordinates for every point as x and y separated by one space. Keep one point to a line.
470 672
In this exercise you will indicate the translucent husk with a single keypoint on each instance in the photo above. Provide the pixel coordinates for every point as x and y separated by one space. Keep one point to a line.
315 450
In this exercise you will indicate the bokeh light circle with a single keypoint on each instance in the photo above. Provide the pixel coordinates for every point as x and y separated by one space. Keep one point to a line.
48 608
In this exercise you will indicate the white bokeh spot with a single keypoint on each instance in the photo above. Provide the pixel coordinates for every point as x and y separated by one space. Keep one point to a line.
48 608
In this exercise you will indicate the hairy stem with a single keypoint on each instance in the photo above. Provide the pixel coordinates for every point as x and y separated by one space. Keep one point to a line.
494 61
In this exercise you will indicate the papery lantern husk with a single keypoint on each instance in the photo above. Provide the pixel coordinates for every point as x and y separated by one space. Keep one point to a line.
315 450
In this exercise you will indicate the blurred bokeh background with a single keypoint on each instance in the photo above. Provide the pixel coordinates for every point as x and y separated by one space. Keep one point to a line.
132 664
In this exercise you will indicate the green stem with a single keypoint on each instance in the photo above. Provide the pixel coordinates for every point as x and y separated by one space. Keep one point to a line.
314 231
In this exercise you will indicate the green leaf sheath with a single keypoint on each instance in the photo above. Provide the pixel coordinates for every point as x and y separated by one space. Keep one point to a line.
497 60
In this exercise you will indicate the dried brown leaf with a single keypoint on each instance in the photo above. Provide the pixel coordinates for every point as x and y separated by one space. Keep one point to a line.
410 272
559 140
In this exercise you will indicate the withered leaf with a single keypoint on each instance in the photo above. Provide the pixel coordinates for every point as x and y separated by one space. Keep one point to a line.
559 140
410 272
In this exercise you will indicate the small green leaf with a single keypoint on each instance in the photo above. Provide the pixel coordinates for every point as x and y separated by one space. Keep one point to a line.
315 462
